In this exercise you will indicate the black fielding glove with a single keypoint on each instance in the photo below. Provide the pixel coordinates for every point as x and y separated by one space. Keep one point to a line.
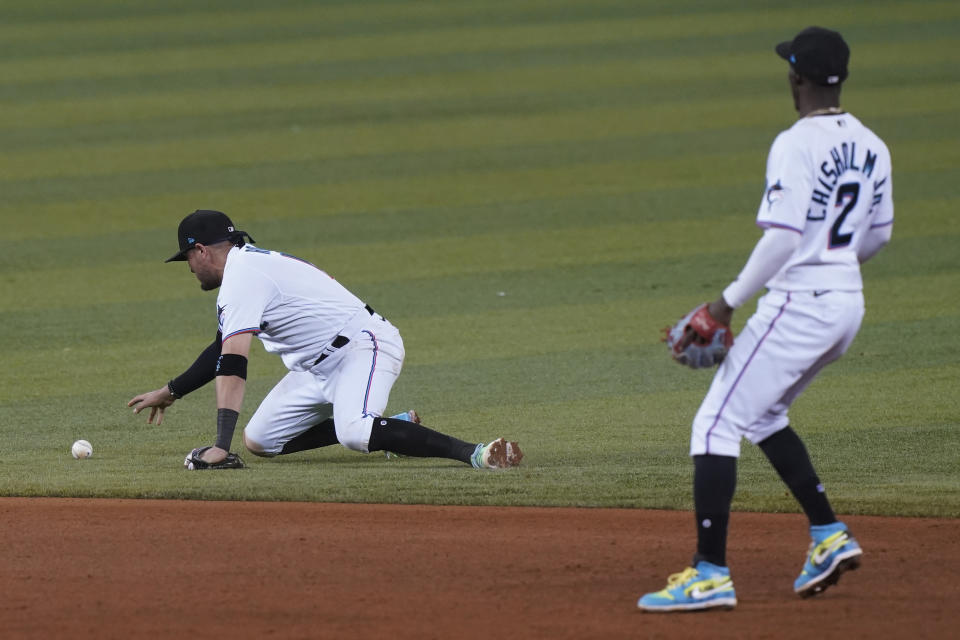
193 461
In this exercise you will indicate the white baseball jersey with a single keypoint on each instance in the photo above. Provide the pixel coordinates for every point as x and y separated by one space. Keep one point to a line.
828 178
295 309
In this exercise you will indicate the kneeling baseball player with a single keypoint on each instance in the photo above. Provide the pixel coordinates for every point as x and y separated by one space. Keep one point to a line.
343 359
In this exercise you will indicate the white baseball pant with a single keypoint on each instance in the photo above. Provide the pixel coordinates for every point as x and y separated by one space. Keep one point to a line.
782 348
353 386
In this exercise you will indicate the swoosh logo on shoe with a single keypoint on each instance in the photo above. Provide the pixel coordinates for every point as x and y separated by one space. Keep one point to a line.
820 555
698 594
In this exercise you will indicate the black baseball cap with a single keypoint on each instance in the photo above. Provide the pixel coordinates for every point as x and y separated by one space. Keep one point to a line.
819 54
204 226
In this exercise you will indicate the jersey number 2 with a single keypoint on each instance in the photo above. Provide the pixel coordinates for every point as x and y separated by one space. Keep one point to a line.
847 196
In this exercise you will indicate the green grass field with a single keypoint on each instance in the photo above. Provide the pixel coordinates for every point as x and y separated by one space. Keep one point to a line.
528 190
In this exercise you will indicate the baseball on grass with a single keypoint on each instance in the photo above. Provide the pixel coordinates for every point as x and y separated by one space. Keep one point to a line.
81 449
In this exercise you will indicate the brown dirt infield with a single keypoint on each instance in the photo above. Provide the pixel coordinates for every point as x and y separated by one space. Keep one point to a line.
168 569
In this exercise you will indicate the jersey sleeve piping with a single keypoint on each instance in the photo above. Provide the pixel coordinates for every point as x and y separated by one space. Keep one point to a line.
763 224
881 224
236 333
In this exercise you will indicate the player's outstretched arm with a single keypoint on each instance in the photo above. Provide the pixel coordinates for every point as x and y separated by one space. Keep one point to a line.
198 374
156 400
231 376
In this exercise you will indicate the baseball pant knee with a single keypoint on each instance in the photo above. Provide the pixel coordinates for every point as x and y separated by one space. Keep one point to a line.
355 434
255 447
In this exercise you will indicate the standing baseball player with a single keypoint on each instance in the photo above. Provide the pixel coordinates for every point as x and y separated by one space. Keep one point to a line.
343 359
828 207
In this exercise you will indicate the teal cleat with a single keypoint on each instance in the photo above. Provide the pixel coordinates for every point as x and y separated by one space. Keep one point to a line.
705 586
409 416
832 552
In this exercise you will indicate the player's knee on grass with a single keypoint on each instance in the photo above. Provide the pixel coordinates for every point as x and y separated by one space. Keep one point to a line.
255 447
354 434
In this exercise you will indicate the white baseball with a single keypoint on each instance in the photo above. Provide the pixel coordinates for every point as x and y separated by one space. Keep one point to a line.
81 449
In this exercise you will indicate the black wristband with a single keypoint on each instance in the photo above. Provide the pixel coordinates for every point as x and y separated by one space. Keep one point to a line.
226 423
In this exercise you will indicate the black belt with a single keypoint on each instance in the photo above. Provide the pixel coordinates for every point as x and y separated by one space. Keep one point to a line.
340 341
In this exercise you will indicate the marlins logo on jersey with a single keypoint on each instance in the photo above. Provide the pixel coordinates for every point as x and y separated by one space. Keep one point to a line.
775 194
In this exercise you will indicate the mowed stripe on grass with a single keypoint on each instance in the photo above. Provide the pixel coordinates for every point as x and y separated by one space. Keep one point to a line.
529 191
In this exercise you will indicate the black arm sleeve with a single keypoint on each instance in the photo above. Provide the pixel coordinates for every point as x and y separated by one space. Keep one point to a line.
200 372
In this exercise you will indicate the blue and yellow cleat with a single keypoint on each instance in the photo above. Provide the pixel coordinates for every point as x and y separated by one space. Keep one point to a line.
832 552
706 586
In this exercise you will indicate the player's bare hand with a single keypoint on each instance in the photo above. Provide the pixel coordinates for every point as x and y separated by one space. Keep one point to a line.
214 455
721 311
156 400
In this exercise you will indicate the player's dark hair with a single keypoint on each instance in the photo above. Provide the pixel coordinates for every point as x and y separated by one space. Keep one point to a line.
237 238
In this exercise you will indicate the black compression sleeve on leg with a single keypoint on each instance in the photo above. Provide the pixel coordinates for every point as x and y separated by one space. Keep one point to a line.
714 481
200 372
411 439
319 435
789 457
